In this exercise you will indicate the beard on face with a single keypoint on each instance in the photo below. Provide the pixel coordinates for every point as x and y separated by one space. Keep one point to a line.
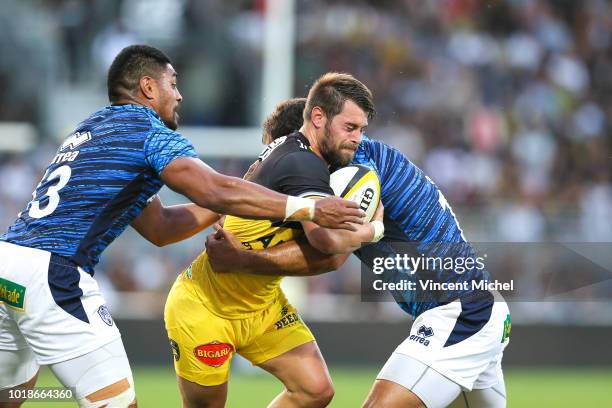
336 157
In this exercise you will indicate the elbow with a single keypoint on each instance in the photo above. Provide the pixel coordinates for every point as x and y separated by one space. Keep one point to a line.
326 242
158 241
331 247
335 262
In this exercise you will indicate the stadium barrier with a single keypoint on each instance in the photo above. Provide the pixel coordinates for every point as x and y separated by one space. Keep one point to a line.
371 343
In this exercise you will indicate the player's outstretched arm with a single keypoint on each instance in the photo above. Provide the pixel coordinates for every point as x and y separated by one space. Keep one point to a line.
231 195
293 258
166 225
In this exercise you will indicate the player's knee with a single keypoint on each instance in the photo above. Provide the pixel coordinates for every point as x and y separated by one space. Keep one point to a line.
118 395
203 401
200 396
380 397
318 393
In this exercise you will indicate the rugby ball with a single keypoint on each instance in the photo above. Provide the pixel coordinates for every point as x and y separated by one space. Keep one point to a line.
359 184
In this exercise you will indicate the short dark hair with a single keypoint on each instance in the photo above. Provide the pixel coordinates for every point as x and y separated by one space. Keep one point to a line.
333 89
286 118
131 64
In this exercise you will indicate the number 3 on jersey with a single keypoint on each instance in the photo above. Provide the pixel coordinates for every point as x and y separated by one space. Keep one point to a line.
63 175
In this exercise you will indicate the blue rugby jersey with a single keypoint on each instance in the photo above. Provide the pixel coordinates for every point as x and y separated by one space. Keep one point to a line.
98 182
418 220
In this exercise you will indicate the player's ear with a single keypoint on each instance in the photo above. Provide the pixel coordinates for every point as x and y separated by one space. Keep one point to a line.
317 117
148 87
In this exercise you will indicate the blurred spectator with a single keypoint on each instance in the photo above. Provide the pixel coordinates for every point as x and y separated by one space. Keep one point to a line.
506 106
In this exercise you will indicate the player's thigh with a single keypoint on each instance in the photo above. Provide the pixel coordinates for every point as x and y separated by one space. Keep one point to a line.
492 397
406 382
459 340
389 394
302 370
18 372
286 348
8 399
17 361
489 389
200 396
102 377
61 312
202 343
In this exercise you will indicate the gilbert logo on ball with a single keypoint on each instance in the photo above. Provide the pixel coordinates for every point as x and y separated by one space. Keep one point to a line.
214 353
357 183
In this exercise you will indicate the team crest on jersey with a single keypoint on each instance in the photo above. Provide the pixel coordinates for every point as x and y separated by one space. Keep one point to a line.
74 140
214 354
105 315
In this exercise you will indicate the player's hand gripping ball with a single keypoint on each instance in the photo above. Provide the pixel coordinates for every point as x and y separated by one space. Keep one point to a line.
359 184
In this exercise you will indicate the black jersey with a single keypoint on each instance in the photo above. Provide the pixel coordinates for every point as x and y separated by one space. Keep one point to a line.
289 166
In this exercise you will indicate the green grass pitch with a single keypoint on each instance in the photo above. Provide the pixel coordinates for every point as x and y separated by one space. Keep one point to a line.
538 388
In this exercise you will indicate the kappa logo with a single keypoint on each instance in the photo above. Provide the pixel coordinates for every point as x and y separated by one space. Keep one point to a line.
105 315
75 140
214 354
422 333
284 310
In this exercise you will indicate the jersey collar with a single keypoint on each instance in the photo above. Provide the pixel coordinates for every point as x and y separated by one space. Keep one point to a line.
131 106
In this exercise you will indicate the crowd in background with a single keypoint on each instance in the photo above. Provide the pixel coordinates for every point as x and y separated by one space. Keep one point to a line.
505 104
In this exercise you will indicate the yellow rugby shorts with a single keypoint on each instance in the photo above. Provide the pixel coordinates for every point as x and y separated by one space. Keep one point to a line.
204 343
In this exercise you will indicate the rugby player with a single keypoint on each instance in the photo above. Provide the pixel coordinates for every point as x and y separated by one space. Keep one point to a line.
51 310
209 316
454 350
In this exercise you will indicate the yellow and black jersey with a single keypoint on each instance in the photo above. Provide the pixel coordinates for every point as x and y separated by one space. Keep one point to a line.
288 166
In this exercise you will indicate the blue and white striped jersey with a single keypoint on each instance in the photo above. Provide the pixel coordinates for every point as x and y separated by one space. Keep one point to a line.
97 183
418 220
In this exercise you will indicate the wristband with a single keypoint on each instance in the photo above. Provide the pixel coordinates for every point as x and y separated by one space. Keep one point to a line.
379 230
299 209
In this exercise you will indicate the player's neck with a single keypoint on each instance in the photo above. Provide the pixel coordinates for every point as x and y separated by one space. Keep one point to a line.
130 100
311 134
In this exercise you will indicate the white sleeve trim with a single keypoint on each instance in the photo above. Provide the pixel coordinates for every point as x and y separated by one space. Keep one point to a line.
314 194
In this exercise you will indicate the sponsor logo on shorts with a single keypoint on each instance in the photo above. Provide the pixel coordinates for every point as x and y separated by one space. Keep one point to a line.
12 293
105 315
214 354
422 333
507 328
175 350
288 319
